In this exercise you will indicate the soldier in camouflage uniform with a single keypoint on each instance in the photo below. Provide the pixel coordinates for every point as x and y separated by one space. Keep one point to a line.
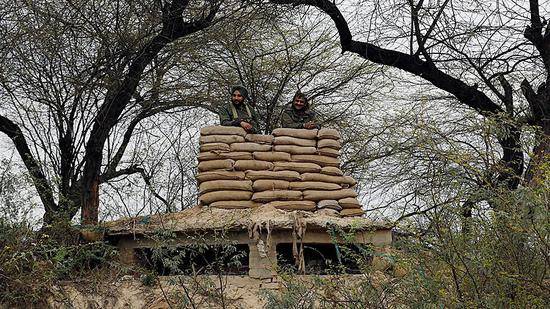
238 113
297 114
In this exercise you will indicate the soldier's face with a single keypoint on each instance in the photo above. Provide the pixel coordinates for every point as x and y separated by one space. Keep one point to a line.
237 97
299 102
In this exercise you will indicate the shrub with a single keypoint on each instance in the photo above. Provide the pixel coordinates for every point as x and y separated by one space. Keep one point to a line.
32 262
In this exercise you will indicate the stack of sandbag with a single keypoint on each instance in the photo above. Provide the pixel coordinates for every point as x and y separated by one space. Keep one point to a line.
344 200
226 153
293 169
350 207
321 182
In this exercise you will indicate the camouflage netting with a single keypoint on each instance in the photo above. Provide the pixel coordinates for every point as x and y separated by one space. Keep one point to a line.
293 169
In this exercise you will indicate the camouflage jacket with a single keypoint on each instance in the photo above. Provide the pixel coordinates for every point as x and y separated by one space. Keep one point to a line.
293 118
232 115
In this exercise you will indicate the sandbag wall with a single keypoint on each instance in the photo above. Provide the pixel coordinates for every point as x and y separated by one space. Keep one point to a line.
293 169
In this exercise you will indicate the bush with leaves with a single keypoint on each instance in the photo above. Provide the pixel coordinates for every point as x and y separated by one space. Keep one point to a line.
500 261
32 262
197 270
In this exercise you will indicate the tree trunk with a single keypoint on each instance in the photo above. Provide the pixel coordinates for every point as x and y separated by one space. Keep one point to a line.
89 194
90 203
537 171
173 27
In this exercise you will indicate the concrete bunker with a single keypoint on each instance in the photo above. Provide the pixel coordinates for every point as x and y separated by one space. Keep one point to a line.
267 204
266 238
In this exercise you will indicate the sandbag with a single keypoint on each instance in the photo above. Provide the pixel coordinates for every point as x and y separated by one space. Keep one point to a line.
252 165
316 195
219 155
328 212
331 170
314 185
214 147
271 156
235 204
329 143
259 138
329 152
282 195
328 133
350 181
216 196
332 204
349 202
228 139
224 185
299 133
226 164
297 166
280 175
292 205
320 160
270 184
250 147
219 175
352 212
295 149
222 130
323 178
288 140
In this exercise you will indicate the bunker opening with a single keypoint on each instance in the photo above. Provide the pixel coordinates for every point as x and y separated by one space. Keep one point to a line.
196 259
324 258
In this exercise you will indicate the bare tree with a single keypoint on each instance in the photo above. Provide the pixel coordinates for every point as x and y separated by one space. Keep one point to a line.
471 51
80 64
91 83
244 49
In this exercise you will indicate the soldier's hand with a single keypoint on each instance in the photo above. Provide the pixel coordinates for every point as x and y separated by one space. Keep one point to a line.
310 125
245 125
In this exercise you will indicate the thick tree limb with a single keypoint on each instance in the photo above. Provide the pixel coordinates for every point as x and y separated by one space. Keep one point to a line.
117 173
117 98
468 95
508 95
39 179
511 165
533 33
539 101
538 107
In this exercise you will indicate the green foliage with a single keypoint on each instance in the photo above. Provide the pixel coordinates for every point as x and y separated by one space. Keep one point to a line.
197 268
369 289
501 261
32 262
148 279
197 256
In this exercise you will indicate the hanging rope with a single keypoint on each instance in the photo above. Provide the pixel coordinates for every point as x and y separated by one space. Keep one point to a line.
298 233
